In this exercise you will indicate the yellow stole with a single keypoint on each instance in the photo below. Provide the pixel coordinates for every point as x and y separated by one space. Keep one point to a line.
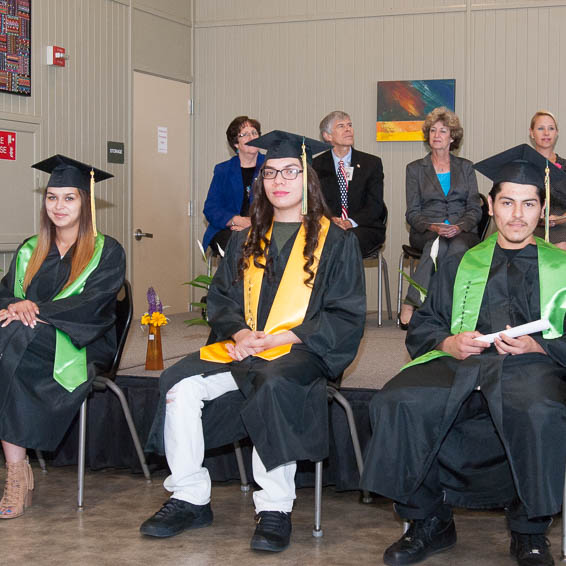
289 306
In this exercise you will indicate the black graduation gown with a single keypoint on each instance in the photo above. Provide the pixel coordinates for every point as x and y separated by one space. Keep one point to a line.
35 410
282 404
425 415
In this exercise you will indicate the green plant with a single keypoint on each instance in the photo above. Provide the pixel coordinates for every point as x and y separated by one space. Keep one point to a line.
201 282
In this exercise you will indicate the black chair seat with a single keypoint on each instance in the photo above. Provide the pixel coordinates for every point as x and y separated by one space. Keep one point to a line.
411 252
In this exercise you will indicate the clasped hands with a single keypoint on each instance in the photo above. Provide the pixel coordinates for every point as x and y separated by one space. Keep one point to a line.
463 345
249 342
445 230
344 224
24 311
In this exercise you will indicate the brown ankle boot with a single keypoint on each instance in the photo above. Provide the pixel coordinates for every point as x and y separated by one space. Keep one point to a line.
17 489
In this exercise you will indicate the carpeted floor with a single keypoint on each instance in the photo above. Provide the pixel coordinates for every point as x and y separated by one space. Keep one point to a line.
382 351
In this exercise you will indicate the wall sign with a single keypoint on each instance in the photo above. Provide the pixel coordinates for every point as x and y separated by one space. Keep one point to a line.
115 152
8 145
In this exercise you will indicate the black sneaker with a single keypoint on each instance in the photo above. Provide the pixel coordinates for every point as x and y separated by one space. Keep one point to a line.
175 517
273 531
531 550
424 537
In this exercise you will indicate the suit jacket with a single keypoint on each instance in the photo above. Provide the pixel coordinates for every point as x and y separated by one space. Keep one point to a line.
365 190
426 202
225 195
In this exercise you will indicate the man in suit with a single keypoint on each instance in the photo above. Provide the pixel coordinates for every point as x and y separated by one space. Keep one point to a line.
352 182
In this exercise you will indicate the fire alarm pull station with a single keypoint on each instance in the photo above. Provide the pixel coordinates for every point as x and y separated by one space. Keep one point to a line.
56 56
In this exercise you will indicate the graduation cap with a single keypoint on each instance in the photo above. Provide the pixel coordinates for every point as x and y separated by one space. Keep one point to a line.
525 166
285 144
521 164
67 172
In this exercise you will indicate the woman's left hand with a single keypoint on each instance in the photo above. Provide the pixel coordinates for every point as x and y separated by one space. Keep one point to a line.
240 223
453 230
24 311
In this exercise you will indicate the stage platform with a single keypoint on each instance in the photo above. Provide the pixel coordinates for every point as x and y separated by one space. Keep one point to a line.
109 444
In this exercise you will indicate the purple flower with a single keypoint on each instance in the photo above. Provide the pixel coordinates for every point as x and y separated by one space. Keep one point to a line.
153 302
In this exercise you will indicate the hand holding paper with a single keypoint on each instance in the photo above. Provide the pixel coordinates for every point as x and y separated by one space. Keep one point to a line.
516 331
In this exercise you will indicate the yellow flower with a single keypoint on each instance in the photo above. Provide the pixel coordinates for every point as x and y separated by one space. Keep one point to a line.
145 319
158 319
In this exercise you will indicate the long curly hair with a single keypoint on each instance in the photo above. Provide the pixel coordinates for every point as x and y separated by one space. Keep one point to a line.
261 216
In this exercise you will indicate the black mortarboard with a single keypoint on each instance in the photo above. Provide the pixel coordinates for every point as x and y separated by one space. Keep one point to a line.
284 144
521 164
67 172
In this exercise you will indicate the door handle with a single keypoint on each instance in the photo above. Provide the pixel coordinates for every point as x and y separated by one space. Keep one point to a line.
138 235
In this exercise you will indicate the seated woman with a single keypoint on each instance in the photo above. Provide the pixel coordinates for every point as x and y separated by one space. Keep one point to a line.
288 306
57 312
227 205
442 201
544 135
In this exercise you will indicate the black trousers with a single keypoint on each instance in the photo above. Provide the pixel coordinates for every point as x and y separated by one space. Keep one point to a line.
428 499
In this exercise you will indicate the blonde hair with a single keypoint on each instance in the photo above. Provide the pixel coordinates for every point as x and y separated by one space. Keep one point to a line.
539 113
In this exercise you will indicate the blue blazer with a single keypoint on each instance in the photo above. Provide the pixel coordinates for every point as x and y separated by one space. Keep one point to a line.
225 195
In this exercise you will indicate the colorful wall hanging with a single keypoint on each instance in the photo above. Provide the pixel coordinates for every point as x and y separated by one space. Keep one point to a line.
15 46
402 106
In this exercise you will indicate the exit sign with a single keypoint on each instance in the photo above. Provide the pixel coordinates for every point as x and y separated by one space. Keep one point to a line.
8 145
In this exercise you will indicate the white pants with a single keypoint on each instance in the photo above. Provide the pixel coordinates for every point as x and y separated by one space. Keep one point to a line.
184 448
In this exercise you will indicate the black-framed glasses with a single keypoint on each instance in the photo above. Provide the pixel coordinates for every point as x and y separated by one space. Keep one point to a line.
251 134
289 173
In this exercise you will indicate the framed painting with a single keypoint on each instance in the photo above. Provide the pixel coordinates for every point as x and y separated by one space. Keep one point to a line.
402 106
15 46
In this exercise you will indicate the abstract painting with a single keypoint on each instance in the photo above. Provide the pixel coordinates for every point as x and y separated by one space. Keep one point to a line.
402 106
15 46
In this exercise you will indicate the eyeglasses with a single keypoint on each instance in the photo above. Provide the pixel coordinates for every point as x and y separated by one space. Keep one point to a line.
288 174
252 134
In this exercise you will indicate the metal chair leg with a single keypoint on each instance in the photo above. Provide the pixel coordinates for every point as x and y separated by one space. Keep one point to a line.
386 285
244 485
81 456
41 461
366 497
379 291
400 286
317 530
128 415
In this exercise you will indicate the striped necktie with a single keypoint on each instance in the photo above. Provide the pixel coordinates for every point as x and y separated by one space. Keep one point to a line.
343 184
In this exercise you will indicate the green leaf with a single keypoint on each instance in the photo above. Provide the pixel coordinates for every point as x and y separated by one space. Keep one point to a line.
196 285
422 291
206 279
194 321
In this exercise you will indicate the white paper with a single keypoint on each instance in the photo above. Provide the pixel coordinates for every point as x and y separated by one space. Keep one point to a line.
161 139
516 331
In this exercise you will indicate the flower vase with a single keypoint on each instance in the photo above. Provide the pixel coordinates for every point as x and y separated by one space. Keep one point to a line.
154 354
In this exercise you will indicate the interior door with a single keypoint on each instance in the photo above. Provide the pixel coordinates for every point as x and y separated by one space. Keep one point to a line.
160 191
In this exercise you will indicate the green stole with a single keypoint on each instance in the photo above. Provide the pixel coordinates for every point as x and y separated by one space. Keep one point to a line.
471 279
69 369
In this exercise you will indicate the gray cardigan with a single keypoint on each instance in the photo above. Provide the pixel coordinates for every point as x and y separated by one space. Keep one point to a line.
426 202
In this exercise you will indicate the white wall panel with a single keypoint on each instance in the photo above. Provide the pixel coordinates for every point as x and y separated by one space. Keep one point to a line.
290 63
83 105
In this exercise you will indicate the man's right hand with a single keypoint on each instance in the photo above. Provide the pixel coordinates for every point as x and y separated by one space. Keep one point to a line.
463 345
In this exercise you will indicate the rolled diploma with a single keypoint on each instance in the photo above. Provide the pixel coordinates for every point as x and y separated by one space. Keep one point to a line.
516 331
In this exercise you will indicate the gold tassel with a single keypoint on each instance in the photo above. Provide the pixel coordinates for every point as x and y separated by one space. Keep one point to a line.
547 208
304 207
92 205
